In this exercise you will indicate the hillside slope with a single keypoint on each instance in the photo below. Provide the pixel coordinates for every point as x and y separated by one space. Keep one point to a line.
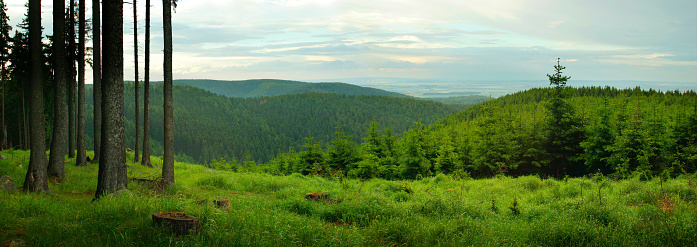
210 126
271 87
618 132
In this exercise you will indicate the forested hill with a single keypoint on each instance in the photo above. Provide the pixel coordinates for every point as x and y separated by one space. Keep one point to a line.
210 126
271 87
604 129
551 132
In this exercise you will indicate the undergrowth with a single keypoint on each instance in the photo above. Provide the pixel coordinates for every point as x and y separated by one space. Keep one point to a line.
270 210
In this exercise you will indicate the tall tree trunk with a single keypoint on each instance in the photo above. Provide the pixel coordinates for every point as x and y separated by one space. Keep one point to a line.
168 159
97 78
81 152
24 144
71 81
135 56
3 129
59 142
112 162
37 178
146 91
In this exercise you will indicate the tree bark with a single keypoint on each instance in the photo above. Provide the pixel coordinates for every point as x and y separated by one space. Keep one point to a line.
112 164
137 96
36 179
168 159
97 78
146 91
4 52
59 141
71 80
81 159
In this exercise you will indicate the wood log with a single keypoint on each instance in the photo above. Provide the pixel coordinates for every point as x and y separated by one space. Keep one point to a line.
178 222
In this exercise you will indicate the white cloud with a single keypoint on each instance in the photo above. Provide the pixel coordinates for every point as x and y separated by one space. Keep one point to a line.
297 39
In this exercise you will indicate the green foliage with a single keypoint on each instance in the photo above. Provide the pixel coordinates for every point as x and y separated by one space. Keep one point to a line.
557 79
271 211
223 165
413 162
595 130
312 159
210 126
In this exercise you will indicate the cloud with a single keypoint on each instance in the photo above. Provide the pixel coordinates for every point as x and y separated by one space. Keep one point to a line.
496 39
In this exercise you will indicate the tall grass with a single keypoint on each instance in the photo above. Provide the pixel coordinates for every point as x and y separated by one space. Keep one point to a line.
272 211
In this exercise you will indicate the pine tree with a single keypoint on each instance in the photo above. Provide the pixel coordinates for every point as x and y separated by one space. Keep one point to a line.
146 91
343 153
168 159
112 170
36 179
59 141
564 131
97 78
136 156
81 159
5 38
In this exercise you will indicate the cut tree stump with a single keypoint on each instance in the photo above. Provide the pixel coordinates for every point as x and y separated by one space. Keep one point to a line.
178 222
322 196
222 203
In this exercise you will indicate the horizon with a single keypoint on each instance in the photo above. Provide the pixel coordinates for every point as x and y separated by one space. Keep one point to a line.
418 87
502 40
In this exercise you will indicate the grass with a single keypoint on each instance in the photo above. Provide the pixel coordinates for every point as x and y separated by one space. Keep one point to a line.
271 211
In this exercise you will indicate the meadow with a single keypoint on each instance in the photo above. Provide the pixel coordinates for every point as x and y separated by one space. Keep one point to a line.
269 210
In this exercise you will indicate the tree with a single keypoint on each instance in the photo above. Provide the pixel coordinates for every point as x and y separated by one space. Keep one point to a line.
81 159
36 179
343 153
685 134
596 148
59 144
136 157
112 168
71 80
146 91
312 159
168 159
414 162
97 78
5 29
564 130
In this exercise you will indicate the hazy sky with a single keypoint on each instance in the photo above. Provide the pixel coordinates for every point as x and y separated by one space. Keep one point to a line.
451 39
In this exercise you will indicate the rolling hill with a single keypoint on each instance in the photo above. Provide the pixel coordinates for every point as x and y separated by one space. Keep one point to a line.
271 87
212 126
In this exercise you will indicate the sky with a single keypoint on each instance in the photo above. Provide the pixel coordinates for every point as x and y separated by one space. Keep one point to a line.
493 40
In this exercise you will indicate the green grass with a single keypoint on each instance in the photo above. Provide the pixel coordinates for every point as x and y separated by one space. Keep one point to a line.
271 211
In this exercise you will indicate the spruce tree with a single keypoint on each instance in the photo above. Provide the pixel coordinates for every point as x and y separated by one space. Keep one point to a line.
564 130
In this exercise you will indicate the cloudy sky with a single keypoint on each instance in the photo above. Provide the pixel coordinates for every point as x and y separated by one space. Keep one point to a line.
465 40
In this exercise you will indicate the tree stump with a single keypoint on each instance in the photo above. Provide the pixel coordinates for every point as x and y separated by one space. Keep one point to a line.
222 203
178 222
323 196
7 184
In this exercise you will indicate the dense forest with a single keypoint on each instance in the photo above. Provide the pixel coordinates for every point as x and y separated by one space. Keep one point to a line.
214 127
623 132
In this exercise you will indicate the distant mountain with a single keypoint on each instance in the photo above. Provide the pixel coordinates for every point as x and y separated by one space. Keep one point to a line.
271 87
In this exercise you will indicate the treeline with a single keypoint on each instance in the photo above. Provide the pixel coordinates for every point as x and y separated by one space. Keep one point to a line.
629 132
273 87
214 127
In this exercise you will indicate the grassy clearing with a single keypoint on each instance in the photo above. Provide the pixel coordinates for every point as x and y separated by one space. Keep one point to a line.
271 211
